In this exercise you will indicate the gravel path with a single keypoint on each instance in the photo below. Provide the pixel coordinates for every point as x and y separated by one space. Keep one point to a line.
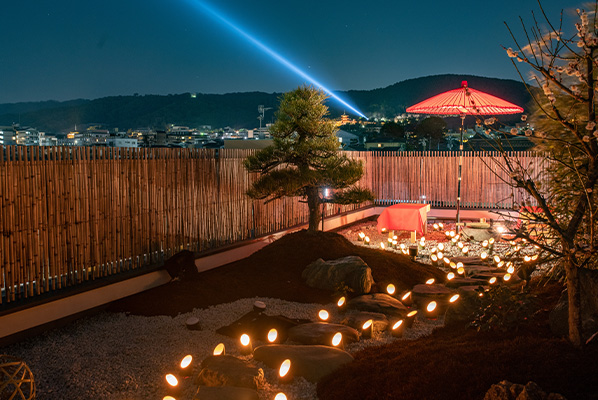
116 356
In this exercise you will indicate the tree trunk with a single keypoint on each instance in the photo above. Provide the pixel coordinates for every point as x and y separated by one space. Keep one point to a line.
574 298
313 205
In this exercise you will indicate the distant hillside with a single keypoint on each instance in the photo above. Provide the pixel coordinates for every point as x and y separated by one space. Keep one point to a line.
238 110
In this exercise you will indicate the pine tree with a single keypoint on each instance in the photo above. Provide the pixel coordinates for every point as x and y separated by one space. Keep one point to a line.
305 158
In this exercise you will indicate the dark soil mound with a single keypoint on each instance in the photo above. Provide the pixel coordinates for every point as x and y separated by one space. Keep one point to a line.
275 271
456 363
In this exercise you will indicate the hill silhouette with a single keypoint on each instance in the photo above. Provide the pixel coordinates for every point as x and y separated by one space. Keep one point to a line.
238 110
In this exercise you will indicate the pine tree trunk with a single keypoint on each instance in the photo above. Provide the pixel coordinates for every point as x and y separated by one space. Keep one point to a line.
313 205
574 298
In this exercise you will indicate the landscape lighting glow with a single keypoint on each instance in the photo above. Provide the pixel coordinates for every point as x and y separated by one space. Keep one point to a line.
341 301
390 289
323 314
171 380
219 349
272 335
336 339
186 361
212 12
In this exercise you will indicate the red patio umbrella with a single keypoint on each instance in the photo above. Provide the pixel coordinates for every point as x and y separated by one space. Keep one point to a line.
464 101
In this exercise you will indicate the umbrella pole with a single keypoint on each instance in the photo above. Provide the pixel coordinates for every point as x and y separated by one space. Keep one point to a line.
458 228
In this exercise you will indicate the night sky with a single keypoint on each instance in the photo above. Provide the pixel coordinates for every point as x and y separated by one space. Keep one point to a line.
67 49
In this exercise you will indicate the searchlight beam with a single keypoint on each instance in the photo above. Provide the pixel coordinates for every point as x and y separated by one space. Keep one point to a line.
273 54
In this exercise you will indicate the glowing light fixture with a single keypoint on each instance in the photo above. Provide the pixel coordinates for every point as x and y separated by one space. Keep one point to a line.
366 240
246 347
341 301
382 245
450 276
219 349
283 371
511 269
440 255
454 298
185 365
337 338
506 277
367 328
272 335
323 314
280 396
436 227
410 319
461 270
397 328
361 236
496 259
484 255
434 259
446 261
485 243
172 380
492 280
430 281
431 306
390 289
527 258
406 299
441 225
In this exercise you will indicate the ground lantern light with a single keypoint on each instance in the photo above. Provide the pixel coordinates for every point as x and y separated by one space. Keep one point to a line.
367 328
272 335
397 329
185 365
284 375
172 384
390 289
280 396
323 314
407 299
410 319
341 302
219 349
246 347
337 340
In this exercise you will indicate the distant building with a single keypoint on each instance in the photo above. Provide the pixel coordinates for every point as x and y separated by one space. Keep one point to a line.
7 136
247 143
27 136
386 144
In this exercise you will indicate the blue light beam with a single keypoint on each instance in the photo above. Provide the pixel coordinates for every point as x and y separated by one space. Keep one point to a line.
218 16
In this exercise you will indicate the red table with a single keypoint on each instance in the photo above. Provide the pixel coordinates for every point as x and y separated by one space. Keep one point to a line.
404 217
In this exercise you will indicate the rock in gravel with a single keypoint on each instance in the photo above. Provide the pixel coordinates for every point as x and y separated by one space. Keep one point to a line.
225 393
422 294
356 319
379 303
227 370
321 333
257 324
310 362
351 271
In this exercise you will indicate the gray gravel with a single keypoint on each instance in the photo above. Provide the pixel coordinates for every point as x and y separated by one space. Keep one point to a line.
116 356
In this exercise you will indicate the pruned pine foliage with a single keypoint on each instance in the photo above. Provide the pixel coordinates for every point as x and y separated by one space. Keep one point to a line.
304 158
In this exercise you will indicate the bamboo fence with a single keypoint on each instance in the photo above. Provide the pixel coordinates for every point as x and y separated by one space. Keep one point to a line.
74 214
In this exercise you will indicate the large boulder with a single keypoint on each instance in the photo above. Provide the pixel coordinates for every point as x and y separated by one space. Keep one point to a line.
350 271
379 303
559 316
225 393
505 390
311 362
463 310
321 333
229 371
479 232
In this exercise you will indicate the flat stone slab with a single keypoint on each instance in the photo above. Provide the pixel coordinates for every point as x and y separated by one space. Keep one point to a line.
379 303
311 362
458 282
225 393
227 370
467 260
356 319
424 293
472 269
479 234
257 324
321 333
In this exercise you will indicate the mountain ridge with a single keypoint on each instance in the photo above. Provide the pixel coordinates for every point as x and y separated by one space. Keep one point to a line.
239 109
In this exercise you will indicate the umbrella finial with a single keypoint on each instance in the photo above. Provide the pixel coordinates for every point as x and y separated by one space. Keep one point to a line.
463 84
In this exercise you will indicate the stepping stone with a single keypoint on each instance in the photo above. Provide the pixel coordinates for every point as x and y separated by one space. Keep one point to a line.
473 269
467 304
422 294
311 362
356 319
256 325
351 271
225 393
488 275
458 282
321 333
379 303
227 370
479 233
467 260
